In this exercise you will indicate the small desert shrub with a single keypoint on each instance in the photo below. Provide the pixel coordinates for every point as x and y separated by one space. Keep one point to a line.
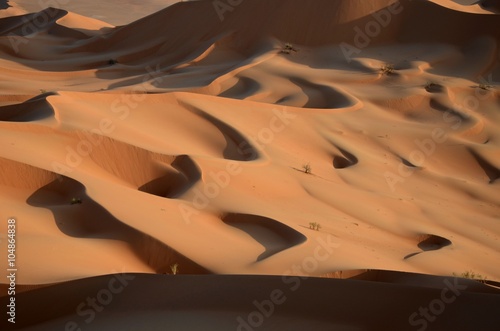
112 61
314 226
469 274
76 201
42 91
174 268
307 168
288 49
387 69
485 87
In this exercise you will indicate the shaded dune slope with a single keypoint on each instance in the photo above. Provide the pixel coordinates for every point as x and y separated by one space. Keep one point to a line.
333 23
151 297
273 235
79 216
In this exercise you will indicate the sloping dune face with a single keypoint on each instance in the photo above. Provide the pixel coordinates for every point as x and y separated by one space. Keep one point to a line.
218 302
321 136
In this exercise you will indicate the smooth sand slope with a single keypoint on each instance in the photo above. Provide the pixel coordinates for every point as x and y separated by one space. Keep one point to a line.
164 142
154 302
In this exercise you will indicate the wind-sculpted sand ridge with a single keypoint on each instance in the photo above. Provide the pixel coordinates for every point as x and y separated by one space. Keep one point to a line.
273 235
33 109
148 145
133 140
279 139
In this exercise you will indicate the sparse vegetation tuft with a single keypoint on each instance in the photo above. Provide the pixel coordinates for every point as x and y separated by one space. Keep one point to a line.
76 201
469 274
387 69
485 87
174 268
112 61
314 226
288 49
307 168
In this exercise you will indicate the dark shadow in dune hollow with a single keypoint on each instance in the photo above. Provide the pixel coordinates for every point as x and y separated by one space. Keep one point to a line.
79 216
34 109
430 242
173 184
273 235
4 4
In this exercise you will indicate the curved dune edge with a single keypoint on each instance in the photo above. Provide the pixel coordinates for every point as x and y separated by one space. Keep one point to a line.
273 235
78 216
226 303
475 8
153 165
31 110
199 122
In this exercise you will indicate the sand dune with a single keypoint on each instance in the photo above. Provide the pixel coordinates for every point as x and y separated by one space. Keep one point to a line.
112 11
476 7
167 302
321 139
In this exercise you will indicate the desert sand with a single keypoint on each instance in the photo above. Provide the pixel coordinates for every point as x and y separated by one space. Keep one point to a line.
324 165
